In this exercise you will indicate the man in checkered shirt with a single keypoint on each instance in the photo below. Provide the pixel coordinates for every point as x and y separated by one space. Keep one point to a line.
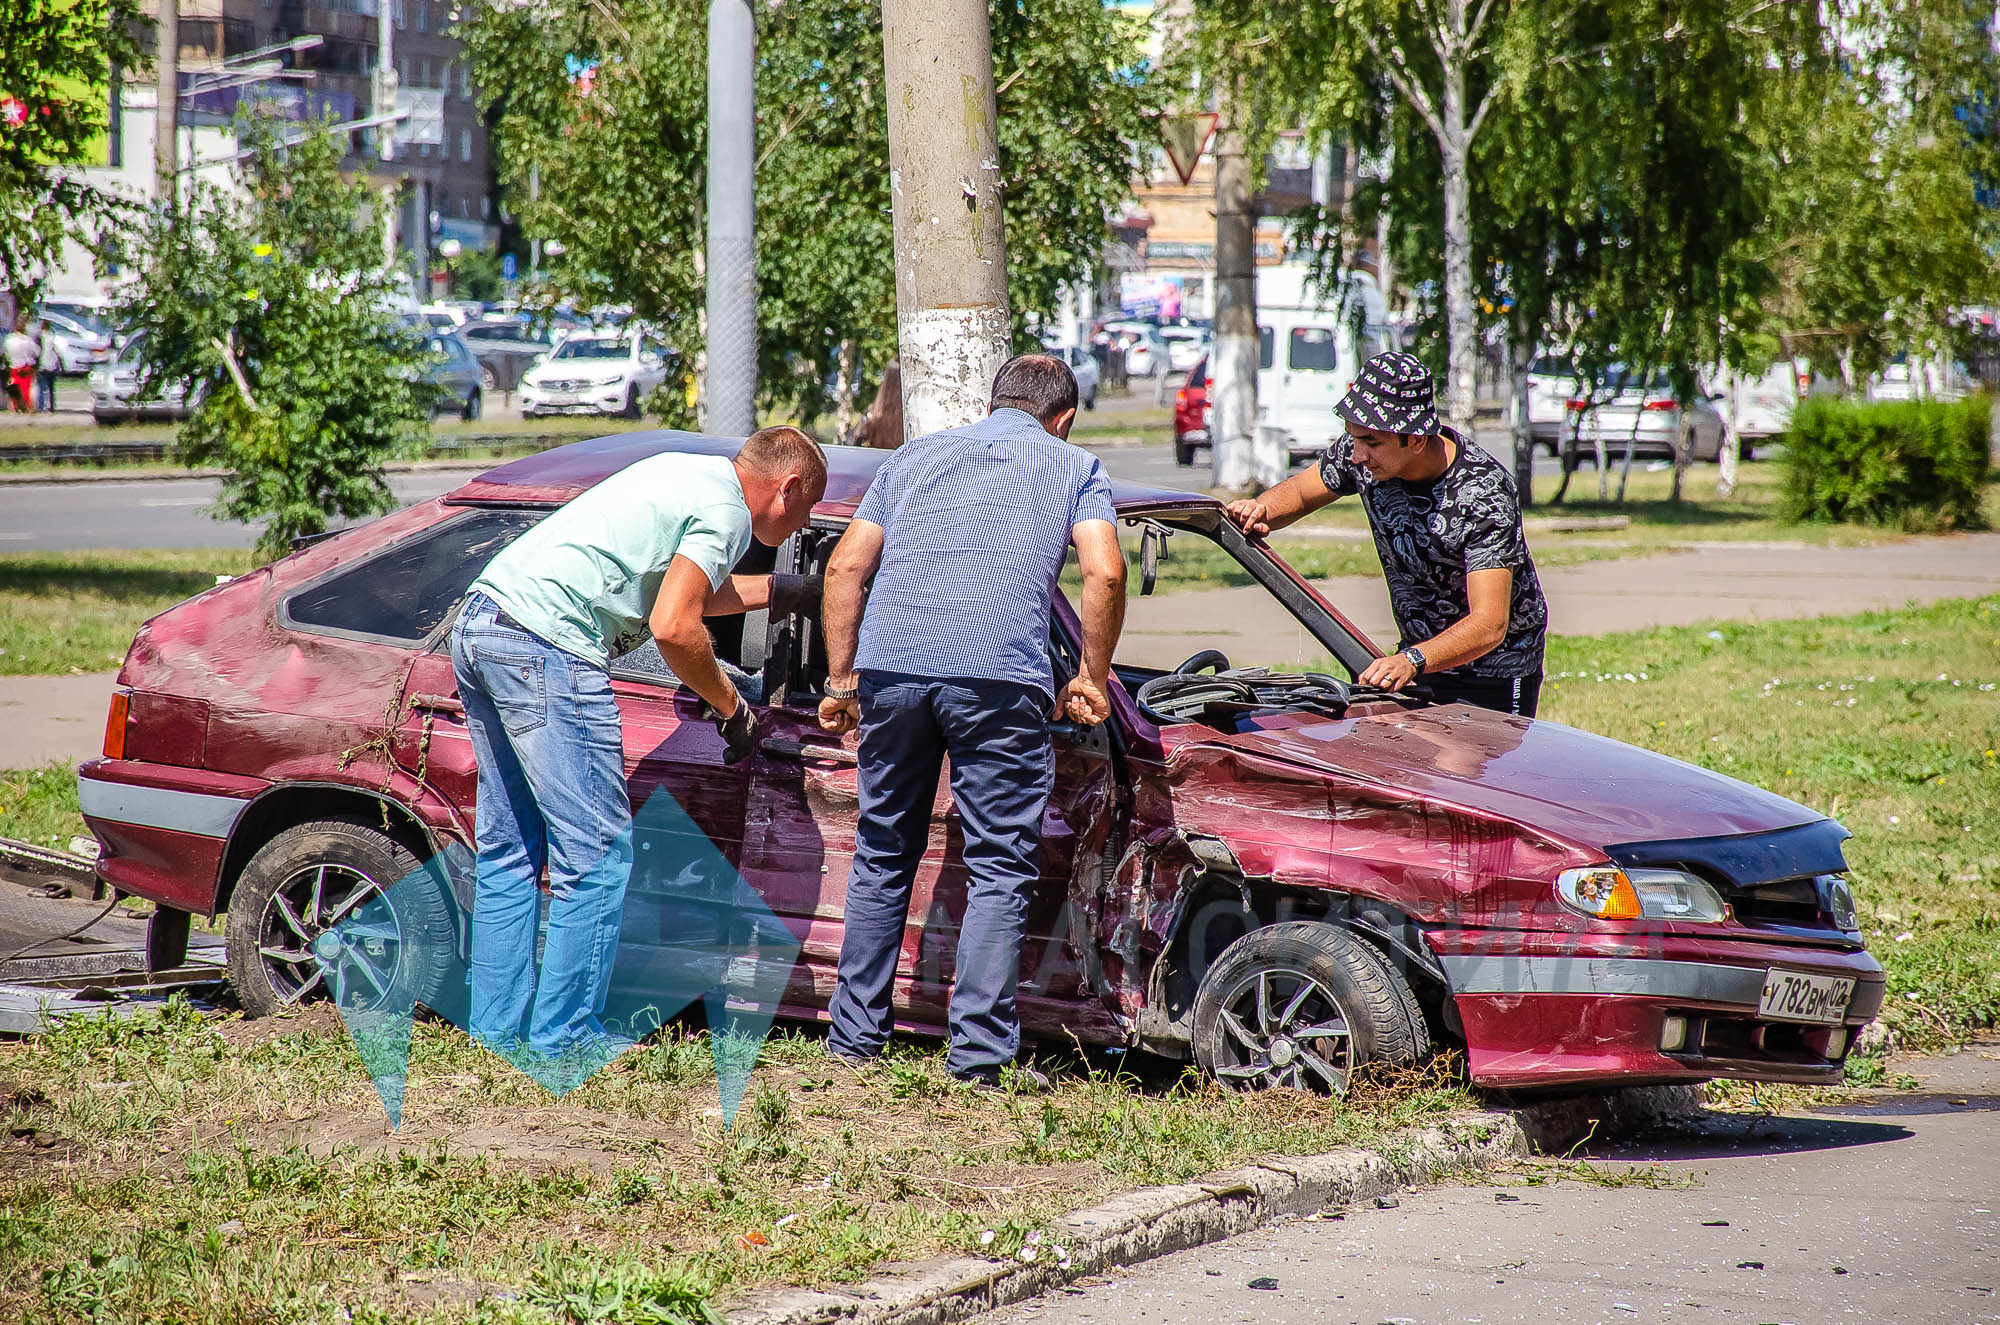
964 533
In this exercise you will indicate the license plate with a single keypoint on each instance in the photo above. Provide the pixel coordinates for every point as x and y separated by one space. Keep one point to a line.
1797 996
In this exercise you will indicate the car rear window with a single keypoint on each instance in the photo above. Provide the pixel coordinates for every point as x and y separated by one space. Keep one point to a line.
1312 350
404 591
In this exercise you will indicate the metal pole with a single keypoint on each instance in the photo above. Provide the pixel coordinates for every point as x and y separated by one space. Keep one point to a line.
952 325
1234 367
166 130
385 89
730 372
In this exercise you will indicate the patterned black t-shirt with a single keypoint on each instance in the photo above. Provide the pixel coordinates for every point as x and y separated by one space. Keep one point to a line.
1431 535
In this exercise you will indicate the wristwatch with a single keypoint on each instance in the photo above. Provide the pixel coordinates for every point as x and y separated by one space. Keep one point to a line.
1416 657
835 692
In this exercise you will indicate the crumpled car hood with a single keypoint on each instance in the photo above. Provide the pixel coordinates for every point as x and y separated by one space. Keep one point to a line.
1573 784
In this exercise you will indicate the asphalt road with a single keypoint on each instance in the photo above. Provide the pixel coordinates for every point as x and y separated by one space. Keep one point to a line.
1882 1210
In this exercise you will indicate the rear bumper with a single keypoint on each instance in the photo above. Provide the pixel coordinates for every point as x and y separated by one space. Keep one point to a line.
1597 1010
162 831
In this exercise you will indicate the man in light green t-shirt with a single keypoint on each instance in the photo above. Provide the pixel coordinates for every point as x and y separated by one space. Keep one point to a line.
646 552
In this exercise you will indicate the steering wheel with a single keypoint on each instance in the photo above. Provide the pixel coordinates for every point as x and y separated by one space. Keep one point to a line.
1206 660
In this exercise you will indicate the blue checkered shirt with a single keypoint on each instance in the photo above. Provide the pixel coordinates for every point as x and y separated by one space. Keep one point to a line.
975 525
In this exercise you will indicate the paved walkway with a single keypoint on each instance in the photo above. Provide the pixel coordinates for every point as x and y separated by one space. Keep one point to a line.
1714 582
45 718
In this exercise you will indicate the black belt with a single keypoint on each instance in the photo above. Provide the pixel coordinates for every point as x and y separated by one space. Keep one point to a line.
500 618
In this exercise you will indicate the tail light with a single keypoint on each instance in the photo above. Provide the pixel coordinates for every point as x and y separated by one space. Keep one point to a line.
1576 406
1180 396
1658 406
114 724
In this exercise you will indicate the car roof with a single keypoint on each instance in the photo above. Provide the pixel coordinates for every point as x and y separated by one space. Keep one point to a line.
556 475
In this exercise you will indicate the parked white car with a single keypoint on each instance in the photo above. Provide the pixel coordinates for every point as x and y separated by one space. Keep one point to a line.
595 374
1311 343
1185 347
1083 364
1552 384
1620 408
79 346
1146 352
1900 379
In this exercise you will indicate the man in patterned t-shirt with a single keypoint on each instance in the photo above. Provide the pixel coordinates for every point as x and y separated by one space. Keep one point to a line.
1447 524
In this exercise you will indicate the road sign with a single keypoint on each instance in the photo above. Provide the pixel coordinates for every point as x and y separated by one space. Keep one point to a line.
507 267
1186 138
424 108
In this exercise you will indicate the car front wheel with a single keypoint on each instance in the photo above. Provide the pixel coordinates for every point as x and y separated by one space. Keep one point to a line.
474 405
301 924
1305 1005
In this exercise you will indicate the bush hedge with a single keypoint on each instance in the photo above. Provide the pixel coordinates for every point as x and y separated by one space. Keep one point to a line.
1916 464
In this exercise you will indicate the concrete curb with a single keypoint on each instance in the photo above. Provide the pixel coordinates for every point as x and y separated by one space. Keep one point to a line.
1153 1221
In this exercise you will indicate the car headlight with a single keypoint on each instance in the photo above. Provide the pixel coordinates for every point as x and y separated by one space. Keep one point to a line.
1605 892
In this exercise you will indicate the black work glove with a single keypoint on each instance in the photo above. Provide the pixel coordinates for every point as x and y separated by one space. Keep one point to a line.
738 730
795 593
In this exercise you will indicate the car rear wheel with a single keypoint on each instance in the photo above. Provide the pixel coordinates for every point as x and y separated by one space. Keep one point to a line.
487 381
308 880
631 410
1303 1004
474 405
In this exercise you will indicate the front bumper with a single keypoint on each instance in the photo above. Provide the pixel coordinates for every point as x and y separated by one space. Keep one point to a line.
608 399
1554 1010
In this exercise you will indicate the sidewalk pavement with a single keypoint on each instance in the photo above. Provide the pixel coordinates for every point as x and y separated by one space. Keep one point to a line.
1691 584
47 718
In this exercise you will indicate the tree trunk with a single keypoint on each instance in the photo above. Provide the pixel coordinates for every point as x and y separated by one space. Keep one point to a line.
1683 453
952 324
1462 330
1521 357
1732 441
1625 470
1233 362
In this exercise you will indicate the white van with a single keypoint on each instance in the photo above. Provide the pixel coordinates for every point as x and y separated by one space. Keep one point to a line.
1310 346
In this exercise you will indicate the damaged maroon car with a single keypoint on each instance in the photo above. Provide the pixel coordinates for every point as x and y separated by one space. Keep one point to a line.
1265 867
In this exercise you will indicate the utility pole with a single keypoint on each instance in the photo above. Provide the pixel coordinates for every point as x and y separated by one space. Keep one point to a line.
952 325
1234 367
166 114
729 390
386 88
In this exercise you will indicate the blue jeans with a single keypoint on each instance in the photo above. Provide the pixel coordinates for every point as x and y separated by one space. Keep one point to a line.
997 734
545 730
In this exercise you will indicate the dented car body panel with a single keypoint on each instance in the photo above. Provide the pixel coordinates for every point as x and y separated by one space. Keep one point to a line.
320 687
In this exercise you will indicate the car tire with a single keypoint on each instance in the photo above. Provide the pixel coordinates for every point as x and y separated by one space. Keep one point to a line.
1303 1004
329 867
631 410
475 405
1746 451
1090 401
1183 453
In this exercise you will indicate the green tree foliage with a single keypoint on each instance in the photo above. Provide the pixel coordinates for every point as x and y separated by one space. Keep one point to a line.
270 307
602 107
56 60
1878 231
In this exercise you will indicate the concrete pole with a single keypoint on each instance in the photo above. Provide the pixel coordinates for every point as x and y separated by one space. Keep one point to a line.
952 325
166 131
730 370
386 87
1233 365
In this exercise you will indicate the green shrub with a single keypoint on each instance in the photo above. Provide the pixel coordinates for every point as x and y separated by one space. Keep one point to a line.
1914 464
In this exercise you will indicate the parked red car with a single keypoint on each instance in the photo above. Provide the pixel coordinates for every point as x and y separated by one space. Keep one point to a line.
1191 413
1279 873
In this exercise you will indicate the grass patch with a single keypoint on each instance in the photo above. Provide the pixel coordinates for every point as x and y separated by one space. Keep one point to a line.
1887 721
38 805
180 1168
77 611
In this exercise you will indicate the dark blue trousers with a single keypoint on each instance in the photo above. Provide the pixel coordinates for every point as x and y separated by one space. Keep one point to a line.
997 734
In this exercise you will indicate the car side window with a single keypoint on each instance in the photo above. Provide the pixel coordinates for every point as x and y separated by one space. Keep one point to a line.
1266 347
403 592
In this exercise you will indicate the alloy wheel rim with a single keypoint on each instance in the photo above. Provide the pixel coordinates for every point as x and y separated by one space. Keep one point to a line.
1282 1027
298 940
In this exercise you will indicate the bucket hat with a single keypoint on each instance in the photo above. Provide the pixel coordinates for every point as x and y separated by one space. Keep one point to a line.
1392 393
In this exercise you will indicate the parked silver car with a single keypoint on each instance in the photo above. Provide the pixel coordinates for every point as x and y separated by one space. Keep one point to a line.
114 389
1621 408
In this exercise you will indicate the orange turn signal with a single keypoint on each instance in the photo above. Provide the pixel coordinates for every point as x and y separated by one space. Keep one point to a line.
114 724
1601 891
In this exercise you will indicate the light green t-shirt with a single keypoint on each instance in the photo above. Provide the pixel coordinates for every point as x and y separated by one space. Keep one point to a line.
585 578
